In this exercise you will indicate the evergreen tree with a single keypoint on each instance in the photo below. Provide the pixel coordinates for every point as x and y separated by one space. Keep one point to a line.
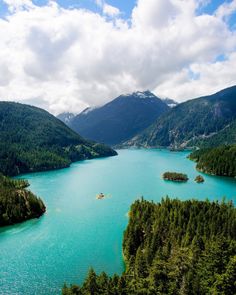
90 285
178 248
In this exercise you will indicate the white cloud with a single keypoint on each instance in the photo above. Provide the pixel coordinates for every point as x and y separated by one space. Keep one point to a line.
207 78
154 14
226 9
66 59
110 10
107 9
15 5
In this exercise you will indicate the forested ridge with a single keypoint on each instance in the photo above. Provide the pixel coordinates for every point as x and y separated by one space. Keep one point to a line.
226 136
217 161
18 204
204 121
31 140
173 247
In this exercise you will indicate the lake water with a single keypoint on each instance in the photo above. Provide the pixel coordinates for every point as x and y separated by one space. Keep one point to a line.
78 231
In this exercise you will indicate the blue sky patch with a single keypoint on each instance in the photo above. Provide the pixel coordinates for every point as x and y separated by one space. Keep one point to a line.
124 6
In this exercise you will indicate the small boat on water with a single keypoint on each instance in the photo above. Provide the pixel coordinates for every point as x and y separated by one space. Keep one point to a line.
100 196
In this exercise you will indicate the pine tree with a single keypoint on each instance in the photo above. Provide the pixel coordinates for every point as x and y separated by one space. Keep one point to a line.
90 284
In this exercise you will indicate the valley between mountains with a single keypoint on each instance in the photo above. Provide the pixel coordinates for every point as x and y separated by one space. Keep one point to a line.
172 246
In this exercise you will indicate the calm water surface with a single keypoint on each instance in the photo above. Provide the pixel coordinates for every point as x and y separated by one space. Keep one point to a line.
78 231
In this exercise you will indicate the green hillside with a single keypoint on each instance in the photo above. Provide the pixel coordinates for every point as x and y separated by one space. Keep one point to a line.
226 136
217 161
201 121
18 204
31 139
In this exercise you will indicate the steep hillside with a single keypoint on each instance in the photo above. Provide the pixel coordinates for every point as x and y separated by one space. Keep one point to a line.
196 120
31 139
66 117
217 161
225 136
120 119
18 204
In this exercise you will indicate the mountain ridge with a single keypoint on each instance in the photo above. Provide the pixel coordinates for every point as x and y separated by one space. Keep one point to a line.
119 119
194 121
65 117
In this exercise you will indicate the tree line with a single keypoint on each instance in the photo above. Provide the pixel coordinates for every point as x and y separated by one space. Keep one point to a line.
217 161
18 204
173 247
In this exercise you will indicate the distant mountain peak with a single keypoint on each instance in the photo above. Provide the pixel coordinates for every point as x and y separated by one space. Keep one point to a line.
66 117
170 102
88 110
144 94
119 119
140 94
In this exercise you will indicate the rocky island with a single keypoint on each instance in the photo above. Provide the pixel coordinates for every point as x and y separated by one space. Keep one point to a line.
199 179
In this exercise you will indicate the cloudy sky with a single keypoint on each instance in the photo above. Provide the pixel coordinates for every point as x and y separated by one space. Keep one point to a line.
66 55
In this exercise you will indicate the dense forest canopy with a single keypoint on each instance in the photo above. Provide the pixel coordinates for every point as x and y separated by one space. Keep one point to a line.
217 161
31 139
18 204
173 247
225 136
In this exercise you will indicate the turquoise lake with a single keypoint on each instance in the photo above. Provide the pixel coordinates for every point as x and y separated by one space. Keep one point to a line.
78 231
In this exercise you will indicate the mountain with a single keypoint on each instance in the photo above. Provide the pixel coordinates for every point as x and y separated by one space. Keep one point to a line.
170 102
195 122
225 136
66 117
32 139
120 119
18 204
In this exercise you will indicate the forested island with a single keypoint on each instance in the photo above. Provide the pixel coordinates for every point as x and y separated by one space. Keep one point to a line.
18 204
216 161
173 247
174 176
